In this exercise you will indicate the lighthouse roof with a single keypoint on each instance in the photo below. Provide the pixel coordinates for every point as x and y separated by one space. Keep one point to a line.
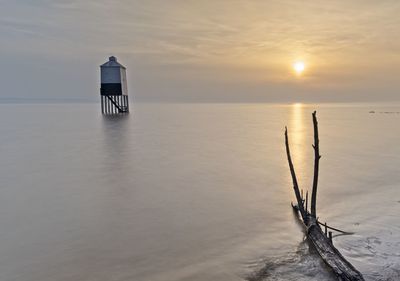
112 62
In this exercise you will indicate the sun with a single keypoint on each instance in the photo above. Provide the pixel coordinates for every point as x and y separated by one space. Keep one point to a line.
299 67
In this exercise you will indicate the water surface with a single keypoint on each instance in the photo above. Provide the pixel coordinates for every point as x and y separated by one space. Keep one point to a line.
193 191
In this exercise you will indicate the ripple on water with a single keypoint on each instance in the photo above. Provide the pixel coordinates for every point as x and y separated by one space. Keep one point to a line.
375 257
300 264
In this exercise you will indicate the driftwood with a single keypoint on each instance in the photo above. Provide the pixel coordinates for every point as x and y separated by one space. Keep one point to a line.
316 166
321 241
294 179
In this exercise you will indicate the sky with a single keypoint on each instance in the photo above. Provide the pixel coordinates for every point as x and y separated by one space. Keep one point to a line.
203 51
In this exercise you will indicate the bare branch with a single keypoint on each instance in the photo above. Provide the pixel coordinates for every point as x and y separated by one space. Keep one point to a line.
294 179
316 166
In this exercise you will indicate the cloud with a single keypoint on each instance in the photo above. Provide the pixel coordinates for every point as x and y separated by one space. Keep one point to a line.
237 41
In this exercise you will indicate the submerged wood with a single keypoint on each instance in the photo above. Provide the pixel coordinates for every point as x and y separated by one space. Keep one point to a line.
342 268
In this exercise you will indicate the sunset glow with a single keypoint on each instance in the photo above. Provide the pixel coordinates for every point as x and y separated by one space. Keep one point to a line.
332 51
299 67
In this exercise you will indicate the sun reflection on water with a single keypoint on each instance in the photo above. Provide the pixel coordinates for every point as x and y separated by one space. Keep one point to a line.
297 140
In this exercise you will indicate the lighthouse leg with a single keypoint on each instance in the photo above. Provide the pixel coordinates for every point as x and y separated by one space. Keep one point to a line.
127 103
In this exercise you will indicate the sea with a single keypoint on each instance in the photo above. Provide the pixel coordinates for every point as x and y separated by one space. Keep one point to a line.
194 191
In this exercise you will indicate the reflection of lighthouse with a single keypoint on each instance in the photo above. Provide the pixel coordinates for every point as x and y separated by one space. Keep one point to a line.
114 89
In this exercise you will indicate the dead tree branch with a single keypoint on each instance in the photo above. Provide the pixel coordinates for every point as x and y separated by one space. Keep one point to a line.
294 179
316 166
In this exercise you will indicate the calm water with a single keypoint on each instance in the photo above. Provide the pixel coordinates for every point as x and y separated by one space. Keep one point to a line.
192 191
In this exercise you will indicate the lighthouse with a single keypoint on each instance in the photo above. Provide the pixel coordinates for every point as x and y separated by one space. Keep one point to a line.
114 88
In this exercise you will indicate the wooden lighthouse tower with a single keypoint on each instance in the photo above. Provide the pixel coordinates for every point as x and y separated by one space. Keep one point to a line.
114 89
